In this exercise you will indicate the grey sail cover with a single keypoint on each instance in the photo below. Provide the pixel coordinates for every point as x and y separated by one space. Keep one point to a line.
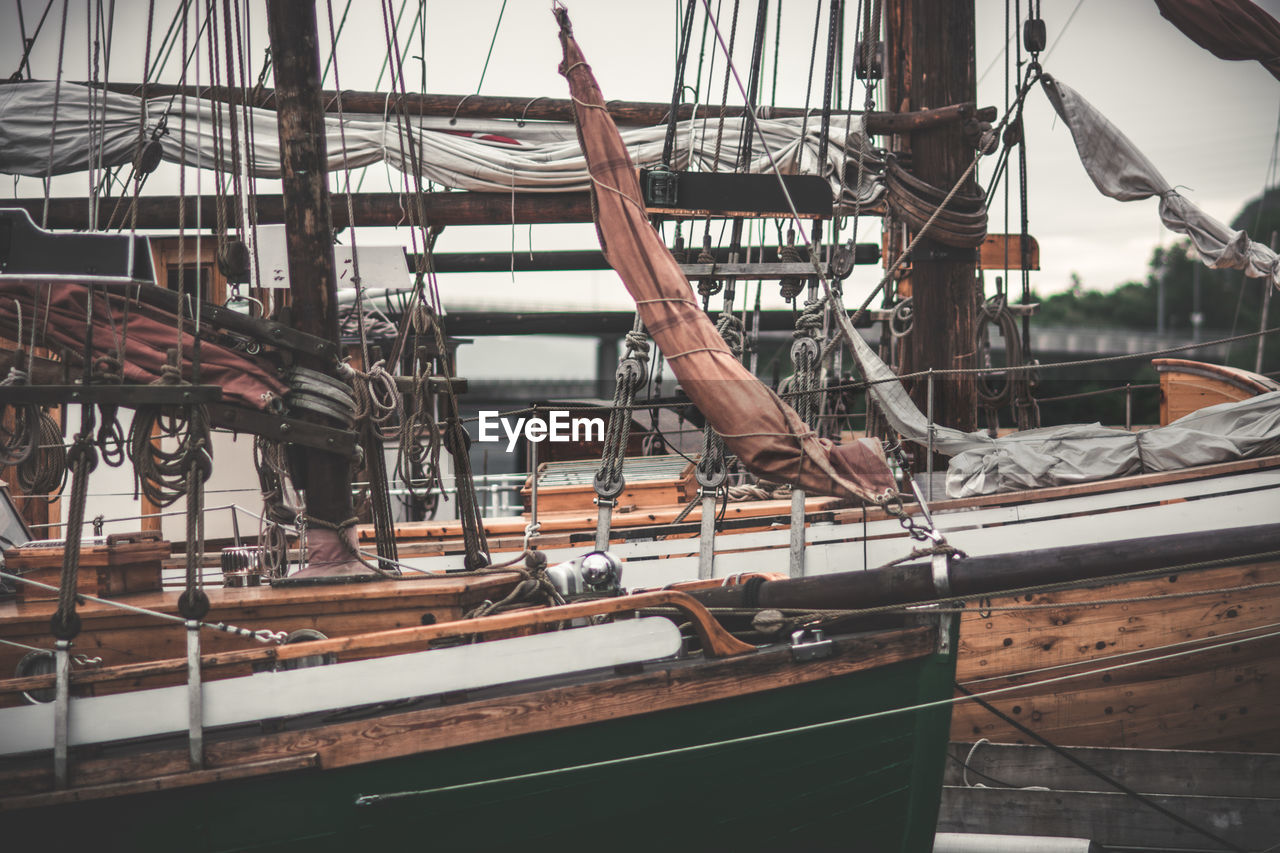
1078 453
1121 171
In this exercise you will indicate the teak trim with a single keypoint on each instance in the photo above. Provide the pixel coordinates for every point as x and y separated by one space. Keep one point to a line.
166 782
716 641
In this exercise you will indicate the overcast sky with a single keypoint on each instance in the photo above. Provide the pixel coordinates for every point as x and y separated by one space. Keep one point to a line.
1208 124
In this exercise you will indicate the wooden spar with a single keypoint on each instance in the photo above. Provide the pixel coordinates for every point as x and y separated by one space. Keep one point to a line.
995 573
625 113
371 210
589 259
931 61
325 477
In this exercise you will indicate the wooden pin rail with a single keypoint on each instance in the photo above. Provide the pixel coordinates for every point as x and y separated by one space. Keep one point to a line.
716 641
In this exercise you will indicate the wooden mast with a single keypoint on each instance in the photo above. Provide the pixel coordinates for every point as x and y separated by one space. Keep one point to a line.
313 289
930 49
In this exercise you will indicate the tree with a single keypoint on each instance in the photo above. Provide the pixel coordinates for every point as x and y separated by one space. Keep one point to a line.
1228 304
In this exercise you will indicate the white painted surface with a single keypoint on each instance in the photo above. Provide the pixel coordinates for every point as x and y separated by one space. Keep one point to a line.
111 490
302 691
1236 500
381 267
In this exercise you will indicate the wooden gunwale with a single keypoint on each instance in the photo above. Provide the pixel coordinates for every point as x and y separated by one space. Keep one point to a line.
716 642
662 686
263 602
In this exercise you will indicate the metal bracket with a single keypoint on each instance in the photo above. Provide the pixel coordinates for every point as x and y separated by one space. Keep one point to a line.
810 644
195 697
604 520
726 194
707 532
264 331
796 556
941 564
61 710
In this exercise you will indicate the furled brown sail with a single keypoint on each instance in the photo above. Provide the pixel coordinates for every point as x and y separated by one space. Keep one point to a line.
767 435
1229 29
60 313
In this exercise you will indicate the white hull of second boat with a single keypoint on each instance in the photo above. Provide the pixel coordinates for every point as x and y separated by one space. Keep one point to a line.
1102 513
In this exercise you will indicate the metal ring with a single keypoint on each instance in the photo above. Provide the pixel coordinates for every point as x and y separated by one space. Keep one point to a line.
453 119
523 113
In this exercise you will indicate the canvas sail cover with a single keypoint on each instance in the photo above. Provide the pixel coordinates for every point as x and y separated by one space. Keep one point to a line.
1229 29
1078 453
486 155
1119 170
767 435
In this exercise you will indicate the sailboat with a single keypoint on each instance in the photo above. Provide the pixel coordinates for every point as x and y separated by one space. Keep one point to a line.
329 786
431 728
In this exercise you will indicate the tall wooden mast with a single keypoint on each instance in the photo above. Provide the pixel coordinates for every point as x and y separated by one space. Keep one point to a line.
325 477
930 57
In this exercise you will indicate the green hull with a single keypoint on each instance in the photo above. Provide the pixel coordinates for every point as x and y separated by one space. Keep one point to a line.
870 785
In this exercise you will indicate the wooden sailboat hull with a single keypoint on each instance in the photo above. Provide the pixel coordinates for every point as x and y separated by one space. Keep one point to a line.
1221 699
683 753
1210 699
1117 668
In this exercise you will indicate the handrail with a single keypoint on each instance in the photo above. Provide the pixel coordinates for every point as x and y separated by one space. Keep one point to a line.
716 641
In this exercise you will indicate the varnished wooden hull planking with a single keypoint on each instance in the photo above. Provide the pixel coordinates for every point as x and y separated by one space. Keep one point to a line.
1210 689
878 779
1224 698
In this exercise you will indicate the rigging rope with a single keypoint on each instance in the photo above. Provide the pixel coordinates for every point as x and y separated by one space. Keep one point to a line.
630 375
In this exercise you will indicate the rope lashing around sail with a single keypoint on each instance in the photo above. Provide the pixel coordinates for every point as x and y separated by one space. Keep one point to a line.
631 373
961 222
761 490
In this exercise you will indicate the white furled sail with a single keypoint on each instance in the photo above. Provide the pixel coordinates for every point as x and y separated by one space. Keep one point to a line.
486 155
